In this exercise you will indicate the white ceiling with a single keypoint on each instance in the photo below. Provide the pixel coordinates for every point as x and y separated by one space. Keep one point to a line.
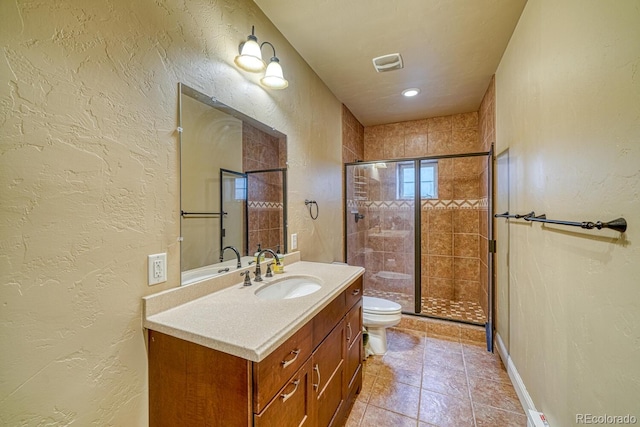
450 48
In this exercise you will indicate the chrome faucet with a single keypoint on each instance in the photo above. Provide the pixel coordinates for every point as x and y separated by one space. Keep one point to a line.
234 250
258 273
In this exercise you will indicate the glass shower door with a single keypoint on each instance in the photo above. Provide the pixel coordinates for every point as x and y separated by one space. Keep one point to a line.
380 228
421 229
233 221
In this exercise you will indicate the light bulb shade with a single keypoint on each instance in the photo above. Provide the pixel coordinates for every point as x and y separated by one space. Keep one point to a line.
273 77
250 58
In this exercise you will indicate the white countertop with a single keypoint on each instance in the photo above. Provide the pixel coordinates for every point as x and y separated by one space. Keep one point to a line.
229 316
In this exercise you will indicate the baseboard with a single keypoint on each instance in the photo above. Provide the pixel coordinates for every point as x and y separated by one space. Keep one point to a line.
523 395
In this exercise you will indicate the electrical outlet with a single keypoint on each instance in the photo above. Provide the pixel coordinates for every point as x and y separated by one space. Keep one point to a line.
157 268
294 241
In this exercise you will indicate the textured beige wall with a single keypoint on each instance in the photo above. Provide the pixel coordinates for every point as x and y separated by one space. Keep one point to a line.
89 178
567 98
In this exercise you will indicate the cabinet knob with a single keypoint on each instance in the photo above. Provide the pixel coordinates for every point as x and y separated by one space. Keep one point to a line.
355 292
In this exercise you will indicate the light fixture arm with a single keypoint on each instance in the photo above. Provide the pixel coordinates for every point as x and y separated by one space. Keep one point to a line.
272 47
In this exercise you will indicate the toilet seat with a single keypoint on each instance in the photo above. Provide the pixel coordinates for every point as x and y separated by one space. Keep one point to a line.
380 306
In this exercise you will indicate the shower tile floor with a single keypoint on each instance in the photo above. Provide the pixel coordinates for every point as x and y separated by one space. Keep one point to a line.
465 311
427 380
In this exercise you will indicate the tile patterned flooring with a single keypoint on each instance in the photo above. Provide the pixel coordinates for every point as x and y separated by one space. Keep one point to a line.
426 380
465 311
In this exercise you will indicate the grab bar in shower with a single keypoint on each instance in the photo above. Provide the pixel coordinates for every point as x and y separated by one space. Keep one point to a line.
618 224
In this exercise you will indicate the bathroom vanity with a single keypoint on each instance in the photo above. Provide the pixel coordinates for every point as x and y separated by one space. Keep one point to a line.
282 362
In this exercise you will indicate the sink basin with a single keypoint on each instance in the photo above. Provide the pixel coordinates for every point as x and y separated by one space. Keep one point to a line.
289 288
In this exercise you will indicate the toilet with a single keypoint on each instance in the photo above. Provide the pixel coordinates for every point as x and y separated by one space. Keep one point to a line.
377 315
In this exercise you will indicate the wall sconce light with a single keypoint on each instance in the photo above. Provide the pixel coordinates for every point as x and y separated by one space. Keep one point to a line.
250 59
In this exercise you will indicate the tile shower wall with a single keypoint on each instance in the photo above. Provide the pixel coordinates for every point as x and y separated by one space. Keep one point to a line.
265 203
353 150
352 137
452 225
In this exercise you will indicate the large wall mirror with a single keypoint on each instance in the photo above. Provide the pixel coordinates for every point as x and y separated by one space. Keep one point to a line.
233 187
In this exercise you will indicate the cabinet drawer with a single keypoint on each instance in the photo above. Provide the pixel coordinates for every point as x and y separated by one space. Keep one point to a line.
329 317
354 292
271 374
292 406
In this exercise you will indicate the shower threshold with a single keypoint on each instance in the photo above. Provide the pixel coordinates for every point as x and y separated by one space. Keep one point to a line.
438 308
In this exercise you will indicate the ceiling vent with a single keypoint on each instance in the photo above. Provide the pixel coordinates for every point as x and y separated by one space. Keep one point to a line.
388 62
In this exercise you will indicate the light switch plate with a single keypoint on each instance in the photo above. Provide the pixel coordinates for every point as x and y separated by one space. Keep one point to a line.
157 268
294 241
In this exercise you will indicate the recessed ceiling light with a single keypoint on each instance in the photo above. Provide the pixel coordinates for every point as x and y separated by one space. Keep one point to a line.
411 92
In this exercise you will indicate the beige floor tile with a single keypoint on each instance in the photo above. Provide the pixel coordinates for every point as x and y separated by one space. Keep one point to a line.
407 371
443 344
378 417
410 354
443 381
445 411
448 360
367 388
494 393
397 397
429 380
482 364
487 416
405 339
356 414
371 366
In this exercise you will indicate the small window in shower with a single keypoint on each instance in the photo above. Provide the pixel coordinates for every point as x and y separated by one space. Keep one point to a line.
428 180
240 188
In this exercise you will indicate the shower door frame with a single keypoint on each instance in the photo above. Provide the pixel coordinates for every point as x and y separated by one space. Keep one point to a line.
418 230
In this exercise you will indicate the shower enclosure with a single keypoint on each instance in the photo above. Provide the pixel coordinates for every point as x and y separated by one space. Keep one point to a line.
420 227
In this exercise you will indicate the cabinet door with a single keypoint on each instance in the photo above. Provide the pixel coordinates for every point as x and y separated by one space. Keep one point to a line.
353 344
328 372
191 385
292 406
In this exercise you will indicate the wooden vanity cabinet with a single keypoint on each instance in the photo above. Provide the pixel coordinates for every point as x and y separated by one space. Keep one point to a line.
311 380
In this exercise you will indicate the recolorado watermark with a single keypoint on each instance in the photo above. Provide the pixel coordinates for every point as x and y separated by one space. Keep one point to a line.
606 419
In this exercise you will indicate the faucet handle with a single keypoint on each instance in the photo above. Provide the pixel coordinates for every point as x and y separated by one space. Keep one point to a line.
269 273
247 278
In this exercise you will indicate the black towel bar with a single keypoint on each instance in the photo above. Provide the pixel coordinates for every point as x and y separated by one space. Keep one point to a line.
618 224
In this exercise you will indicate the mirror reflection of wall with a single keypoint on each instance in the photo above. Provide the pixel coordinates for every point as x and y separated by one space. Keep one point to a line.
210 138
233 186
264 161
